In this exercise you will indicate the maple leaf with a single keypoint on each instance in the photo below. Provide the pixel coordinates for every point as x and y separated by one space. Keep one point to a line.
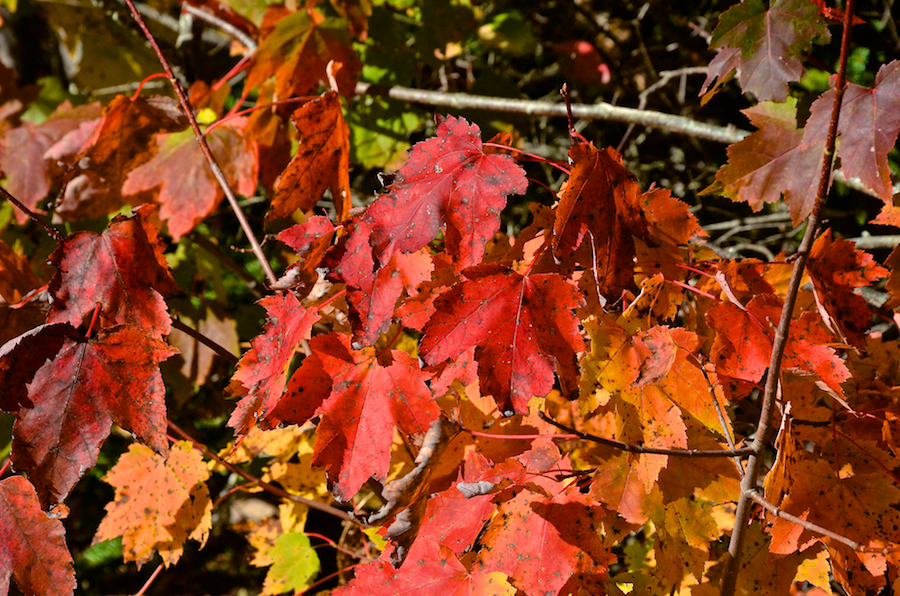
836 269
868 127
262 371
599 208
123 270
448 179
75 398
523 327
23 150
16 277
556 542
120 141
296 48
188 190
777 159
770 41
372 293
294 564
33 549
434 570
367 398
322 160
743 345
159 504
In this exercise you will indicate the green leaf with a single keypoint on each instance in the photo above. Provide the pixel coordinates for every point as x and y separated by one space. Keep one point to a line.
296 564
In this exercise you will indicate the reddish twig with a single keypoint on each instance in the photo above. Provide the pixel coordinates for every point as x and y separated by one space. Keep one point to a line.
90 328
328 577
334 545
5 467
270 488
150 580
763 430
533 156
647 450
218 349
54 233
520 437
232 115
204 146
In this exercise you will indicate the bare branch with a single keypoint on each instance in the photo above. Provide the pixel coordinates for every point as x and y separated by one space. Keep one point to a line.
649 450
54 233
225 26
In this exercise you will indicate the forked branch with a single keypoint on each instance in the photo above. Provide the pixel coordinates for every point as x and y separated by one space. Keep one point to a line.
763 429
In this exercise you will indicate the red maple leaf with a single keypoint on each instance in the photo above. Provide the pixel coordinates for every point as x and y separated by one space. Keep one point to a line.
368 396
22 356
322 160
188 190
372 293
262 371
448 179
33 549
296 48
600 210
555 532
770 42
743 344
123 270
76 396
523 327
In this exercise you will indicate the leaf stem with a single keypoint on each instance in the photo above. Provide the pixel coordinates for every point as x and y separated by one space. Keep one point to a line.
270 488
54 233
763 430
204 146
648 450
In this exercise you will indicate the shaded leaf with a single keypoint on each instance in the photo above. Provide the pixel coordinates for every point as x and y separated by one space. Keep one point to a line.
771 42
188 190
113 377
295 49
123 269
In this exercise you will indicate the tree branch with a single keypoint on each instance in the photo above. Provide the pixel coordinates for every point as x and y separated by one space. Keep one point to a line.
204 146
763 430
599 111
648 450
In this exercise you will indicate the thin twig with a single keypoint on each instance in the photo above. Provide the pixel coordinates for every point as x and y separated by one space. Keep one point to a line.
270 488
763 430
232 265
218 349
807 525
204 147
54 233
647 450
